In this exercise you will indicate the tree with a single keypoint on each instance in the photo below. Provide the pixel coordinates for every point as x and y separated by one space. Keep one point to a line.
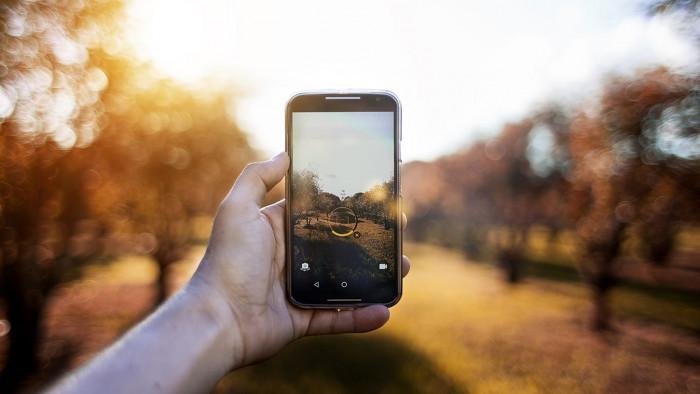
501 186
327 202
306 191
49 111
94 144
359 203
628 156
182 150
379 202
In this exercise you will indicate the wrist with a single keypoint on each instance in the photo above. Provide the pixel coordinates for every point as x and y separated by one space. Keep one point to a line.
207 299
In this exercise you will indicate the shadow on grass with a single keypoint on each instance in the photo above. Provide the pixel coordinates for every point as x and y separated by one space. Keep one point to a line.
566 273
671 306
552 271
342 364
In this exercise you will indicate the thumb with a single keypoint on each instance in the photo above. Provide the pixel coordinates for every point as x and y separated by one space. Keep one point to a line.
258 178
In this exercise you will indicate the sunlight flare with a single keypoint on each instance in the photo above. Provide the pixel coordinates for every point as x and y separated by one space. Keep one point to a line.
182 39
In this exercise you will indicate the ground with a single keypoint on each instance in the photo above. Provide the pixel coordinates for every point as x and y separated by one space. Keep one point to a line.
373 237
458 328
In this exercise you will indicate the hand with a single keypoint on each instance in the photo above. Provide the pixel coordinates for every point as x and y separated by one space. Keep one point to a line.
243 271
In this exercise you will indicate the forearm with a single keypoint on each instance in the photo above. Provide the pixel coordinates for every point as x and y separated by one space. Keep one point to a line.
186 346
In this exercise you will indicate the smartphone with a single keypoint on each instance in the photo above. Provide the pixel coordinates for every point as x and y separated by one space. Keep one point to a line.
343 199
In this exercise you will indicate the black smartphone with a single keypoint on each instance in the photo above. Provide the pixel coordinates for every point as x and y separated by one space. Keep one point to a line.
343 199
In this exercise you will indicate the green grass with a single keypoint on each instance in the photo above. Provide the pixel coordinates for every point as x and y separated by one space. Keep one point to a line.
550 270
460 328
674 307
347 363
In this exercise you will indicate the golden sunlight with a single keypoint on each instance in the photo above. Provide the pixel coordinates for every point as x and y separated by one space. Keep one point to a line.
378 193
181 39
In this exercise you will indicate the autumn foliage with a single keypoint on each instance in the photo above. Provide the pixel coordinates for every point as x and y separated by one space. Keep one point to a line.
623 165
98 157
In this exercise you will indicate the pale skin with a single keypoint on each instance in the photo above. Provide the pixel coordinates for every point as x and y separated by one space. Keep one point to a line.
232 312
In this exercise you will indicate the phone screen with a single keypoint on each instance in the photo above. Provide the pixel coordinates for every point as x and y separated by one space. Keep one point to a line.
343 206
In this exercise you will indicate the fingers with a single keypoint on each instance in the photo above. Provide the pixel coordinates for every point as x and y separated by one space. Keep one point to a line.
258 178
357 320
275 213
276 208
405 266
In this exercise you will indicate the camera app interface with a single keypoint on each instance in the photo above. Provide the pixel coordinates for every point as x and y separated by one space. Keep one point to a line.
343 209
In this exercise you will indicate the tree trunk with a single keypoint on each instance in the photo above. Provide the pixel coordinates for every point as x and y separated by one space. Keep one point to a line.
161 284
600 319
24 311
510 260
601 279
511 257
552 239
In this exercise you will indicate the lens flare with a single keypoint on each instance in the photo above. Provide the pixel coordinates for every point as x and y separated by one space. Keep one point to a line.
342 222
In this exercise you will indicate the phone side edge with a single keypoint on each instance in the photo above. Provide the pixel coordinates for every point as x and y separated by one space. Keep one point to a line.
287 194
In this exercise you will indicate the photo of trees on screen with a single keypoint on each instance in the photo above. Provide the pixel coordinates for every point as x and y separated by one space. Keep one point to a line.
343 236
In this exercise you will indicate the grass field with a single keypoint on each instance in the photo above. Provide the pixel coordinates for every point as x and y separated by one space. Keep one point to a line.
458 328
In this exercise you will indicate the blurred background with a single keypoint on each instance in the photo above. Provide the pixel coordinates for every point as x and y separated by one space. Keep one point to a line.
551 180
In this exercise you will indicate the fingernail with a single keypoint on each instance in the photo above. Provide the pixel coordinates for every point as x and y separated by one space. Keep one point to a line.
277 156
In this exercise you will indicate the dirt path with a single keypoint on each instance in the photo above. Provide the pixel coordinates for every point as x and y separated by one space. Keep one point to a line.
372 236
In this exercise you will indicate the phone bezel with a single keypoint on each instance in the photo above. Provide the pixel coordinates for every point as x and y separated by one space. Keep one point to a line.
362 101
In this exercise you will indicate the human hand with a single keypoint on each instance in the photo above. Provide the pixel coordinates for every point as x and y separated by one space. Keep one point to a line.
243 273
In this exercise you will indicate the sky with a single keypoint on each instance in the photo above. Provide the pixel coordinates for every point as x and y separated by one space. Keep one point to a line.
460 68
349 151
